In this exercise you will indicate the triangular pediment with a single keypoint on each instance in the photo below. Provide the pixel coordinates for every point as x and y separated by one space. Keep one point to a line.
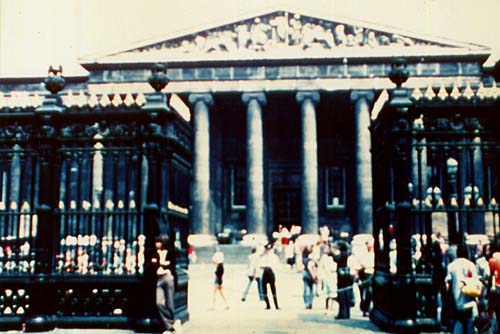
284 34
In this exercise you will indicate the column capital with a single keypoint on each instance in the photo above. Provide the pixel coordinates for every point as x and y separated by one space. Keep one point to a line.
204 97
356 95
259 96
307 95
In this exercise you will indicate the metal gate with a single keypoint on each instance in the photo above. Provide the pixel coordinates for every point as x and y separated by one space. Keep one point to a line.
435 172
84 190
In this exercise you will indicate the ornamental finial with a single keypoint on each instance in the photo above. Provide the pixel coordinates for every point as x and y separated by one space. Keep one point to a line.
158 78
399 73
55 82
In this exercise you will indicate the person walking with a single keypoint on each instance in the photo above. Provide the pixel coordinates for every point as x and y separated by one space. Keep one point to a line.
165 284
439 265
253 274
483 271
309 277
327 277
459 273
269 263
365 271
218 261
344 281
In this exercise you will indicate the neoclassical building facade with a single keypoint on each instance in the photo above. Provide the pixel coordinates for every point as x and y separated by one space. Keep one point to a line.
281 103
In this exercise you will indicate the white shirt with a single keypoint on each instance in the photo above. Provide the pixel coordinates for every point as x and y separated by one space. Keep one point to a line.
367 261
269 259
162 254
458 271
253 265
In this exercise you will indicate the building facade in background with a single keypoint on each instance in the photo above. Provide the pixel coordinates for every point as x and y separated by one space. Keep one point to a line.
281 104
289 119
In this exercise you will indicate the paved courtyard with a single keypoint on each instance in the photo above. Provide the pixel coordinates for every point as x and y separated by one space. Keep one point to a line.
251 317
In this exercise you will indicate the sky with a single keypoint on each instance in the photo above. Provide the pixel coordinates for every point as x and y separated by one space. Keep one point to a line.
35 34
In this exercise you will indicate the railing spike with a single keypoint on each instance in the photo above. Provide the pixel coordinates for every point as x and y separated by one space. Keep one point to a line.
442 94
429 93
417 94
140 99
117 100
82 99
129 100
455 92
468 93
104 101
92 102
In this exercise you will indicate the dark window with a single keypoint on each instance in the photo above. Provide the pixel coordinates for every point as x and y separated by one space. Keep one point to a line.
238 187
335 187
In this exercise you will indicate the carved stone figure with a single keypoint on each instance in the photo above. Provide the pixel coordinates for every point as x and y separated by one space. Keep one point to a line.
259 35
315 33
371 39
284 28
280 28
295 34
398 39
358 35
384 40
242 36
340 36
200 42
220 41
187 47
350 40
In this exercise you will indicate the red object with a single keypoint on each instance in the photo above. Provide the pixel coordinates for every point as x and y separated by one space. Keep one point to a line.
390 229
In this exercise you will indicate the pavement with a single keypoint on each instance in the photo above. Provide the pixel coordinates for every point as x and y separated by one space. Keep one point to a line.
251 317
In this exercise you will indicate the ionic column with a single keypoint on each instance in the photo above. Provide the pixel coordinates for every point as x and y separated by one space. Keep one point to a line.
201 163
308 101
256 222
363 161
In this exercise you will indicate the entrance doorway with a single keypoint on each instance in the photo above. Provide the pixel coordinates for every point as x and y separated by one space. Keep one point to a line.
286 206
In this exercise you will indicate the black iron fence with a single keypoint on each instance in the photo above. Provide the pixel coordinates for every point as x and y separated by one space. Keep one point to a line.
84 190
436 177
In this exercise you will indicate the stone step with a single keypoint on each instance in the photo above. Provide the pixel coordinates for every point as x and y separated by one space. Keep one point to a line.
233 254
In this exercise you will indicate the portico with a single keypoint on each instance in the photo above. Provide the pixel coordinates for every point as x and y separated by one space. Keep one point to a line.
281 106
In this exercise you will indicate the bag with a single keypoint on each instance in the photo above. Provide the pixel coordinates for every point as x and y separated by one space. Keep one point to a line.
472 287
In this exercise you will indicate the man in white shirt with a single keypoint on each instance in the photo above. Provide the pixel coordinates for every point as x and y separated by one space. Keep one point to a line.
253 274
365 270
269 263
461 271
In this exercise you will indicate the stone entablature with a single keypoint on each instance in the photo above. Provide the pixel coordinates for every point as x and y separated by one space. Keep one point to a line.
272 72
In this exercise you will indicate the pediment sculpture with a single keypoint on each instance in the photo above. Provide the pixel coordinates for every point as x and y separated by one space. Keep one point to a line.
283 29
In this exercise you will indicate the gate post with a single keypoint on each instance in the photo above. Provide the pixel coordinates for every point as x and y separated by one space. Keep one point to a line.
154 112
43 290
403 287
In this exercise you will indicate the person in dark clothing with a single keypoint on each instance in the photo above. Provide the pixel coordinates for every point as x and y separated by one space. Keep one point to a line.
345 281
218 260
309 278
438 278
164 283
269 263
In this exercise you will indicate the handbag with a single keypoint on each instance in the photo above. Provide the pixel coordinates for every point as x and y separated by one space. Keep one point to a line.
472 287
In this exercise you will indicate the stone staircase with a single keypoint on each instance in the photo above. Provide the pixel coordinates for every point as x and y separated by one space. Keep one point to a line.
233 254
